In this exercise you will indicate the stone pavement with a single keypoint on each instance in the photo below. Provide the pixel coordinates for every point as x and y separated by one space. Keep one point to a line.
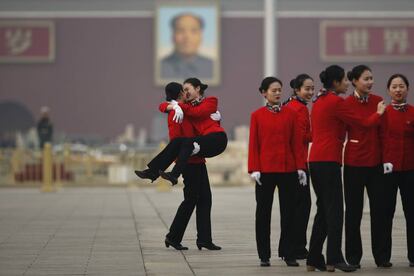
120 231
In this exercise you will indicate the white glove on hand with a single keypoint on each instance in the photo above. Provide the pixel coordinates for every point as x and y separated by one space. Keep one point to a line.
196 148
388 168
179 114
256 177
302 178
216 116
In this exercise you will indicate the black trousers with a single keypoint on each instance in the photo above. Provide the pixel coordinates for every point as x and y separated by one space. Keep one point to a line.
287 187
303 208
197 193
181 148
328 223
405 182
356 179
210 145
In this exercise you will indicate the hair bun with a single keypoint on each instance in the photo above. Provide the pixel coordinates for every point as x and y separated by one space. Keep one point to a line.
293 84
322 76
350 75
204 86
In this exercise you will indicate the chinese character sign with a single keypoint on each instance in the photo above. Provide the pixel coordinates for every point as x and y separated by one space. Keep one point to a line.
27 41
365 40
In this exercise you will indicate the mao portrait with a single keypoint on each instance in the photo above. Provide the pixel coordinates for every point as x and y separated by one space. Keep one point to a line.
187 43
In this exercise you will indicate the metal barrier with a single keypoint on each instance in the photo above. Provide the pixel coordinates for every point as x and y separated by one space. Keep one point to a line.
93 166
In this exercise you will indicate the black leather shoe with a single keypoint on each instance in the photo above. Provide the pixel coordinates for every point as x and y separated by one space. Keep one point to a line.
311 267
176 245
147 174
302 256
341 266
208 245
411 264
291 263
357 266
385 265
264 263
168 176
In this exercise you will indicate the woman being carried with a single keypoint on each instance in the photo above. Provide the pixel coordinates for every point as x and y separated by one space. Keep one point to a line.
211 142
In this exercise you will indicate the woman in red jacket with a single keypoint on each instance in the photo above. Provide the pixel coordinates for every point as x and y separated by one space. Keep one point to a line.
398 158
211 142
275 156
328 118
363 169
303 90
196 183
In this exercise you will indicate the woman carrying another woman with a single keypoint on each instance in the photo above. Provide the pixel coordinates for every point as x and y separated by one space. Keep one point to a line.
328 118
211 142
275 158
398 158
196 183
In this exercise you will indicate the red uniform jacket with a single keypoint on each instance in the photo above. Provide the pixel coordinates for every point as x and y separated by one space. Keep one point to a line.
274 144
328 117
199 115
302 119
397 130
185 129
363 146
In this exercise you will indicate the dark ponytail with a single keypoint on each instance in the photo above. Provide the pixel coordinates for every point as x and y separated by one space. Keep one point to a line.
197 83
330 74
266 82
356 72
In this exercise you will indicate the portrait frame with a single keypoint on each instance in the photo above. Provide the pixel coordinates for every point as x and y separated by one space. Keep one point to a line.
43 37
206 62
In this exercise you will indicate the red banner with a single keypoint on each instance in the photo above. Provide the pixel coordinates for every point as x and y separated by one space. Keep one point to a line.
367 40
27 41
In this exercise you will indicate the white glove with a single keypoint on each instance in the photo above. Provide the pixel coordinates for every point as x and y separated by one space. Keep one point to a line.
179 114
388 168
256 177
302 177
216 116
196 148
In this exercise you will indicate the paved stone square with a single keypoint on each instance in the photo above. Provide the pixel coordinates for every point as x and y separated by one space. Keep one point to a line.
120 231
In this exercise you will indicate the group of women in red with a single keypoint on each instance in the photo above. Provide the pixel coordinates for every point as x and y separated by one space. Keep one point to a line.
378 157
343 146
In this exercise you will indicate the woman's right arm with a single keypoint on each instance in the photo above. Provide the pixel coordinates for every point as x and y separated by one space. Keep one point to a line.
253 159
204 109
163 107
348 115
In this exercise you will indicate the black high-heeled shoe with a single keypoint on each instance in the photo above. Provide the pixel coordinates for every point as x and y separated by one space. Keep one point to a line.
312 267
168 176
385 265
291 262
209 246
303 255
147 174
264 262
341 266
177 246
